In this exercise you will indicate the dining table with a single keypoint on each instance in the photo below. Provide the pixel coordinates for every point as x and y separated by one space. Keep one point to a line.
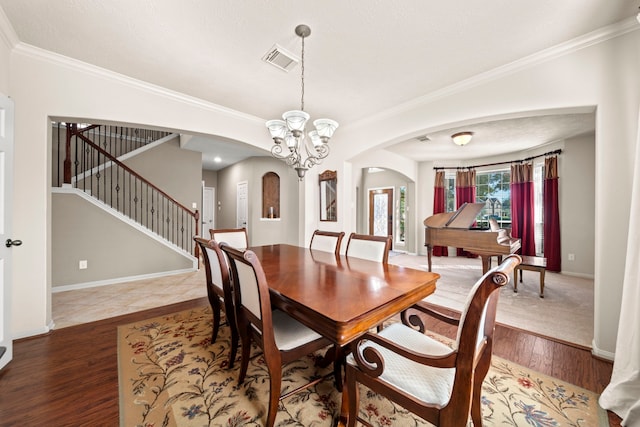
339 297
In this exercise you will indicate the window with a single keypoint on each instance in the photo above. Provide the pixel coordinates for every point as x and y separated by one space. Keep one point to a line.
402 214
492 189
538 205
450 193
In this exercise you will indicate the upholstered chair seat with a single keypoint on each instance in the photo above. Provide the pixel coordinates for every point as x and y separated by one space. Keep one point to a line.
289 333
409 376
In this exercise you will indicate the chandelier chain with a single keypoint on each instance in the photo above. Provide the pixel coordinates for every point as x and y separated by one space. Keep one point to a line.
302 78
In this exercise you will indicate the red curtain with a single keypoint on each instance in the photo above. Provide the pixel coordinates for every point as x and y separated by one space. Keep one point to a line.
522 207
439 207
551 215
465 193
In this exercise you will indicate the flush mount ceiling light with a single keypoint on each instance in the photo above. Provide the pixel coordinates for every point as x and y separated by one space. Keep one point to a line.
461 138
305 149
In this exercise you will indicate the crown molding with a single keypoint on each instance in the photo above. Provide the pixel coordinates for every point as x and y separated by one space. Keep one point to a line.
86 68
7 33
593 38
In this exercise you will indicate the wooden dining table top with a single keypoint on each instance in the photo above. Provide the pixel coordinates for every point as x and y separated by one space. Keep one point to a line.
340 297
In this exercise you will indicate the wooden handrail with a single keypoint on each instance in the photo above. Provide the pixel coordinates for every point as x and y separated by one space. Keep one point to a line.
72 130
134 173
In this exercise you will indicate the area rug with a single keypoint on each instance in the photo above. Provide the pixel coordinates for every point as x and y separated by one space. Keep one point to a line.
564 314
170 374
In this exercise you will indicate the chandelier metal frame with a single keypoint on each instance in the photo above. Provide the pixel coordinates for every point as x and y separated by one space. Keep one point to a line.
292 144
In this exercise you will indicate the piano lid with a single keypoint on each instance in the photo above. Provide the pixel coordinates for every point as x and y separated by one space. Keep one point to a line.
463 218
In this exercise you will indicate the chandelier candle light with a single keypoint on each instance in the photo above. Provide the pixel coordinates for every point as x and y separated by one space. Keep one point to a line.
305 149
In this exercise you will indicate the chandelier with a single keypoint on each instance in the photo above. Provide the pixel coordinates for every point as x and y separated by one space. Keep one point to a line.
303 149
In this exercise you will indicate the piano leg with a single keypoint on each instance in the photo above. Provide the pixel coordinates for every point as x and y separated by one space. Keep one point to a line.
486 263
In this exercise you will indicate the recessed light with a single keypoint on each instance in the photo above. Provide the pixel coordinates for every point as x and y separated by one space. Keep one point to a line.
217 159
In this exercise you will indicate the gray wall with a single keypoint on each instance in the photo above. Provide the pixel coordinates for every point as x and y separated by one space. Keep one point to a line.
261 231
112 248
176 171
210 178
576 183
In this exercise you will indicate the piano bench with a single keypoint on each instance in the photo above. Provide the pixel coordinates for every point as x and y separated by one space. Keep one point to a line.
531 263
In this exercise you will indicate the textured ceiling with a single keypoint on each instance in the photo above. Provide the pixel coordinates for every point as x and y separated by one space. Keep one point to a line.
363 56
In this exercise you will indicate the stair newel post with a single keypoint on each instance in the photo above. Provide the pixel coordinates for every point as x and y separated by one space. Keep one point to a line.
71 130
196 250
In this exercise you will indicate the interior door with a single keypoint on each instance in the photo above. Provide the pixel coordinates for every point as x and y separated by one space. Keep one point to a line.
6 244
242 206
381 212
208 210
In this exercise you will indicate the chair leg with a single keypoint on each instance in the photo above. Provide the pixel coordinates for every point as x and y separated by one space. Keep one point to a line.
481 372
353 396
234 344
215 307
338 365
233 325
246 349
275 384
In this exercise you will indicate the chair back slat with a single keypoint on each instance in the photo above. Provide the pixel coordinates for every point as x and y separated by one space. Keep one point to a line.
214 267
326 241
249 289
373 248
234 237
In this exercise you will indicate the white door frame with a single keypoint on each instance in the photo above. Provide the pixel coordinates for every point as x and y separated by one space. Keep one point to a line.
242 205
208 210
6 194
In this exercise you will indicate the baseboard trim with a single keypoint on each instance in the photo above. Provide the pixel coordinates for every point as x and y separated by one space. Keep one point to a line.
601 354
86 285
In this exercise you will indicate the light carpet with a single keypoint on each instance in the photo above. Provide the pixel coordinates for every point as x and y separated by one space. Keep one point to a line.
565 313
171 375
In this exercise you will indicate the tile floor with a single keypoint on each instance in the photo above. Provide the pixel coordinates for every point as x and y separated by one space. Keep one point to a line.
101 302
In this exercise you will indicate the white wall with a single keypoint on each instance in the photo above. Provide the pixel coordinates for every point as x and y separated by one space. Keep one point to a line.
603 75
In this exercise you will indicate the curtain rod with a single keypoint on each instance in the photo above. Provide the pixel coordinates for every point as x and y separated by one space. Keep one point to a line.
498 163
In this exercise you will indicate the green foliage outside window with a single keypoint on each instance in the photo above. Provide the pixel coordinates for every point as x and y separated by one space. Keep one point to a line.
492 188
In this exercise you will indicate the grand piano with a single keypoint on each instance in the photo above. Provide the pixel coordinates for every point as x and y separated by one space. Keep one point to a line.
454 229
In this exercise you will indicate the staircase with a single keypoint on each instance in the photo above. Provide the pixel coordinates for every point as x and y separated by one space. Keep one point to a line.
90 158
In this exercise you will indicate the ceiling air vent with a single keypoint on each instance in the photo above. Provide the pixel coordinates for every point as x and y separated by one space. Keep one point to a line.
423 138
281 58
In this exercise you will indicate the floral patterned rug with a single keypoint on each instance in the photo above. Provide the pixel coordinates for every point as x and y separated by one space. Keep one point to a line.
171 375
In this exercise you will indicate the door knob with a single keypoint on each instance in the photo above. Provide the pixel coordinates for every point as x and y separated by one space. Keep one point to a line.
10 243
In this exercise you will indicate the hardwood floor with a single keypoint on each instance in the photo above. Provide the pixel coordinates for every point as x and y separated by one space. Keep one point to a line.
69 377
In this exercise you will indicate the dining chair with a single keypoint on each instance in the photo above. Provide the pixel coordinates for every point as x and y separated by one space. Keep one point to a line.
327 241
374 248
235 237
281 337
219 290
439 383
